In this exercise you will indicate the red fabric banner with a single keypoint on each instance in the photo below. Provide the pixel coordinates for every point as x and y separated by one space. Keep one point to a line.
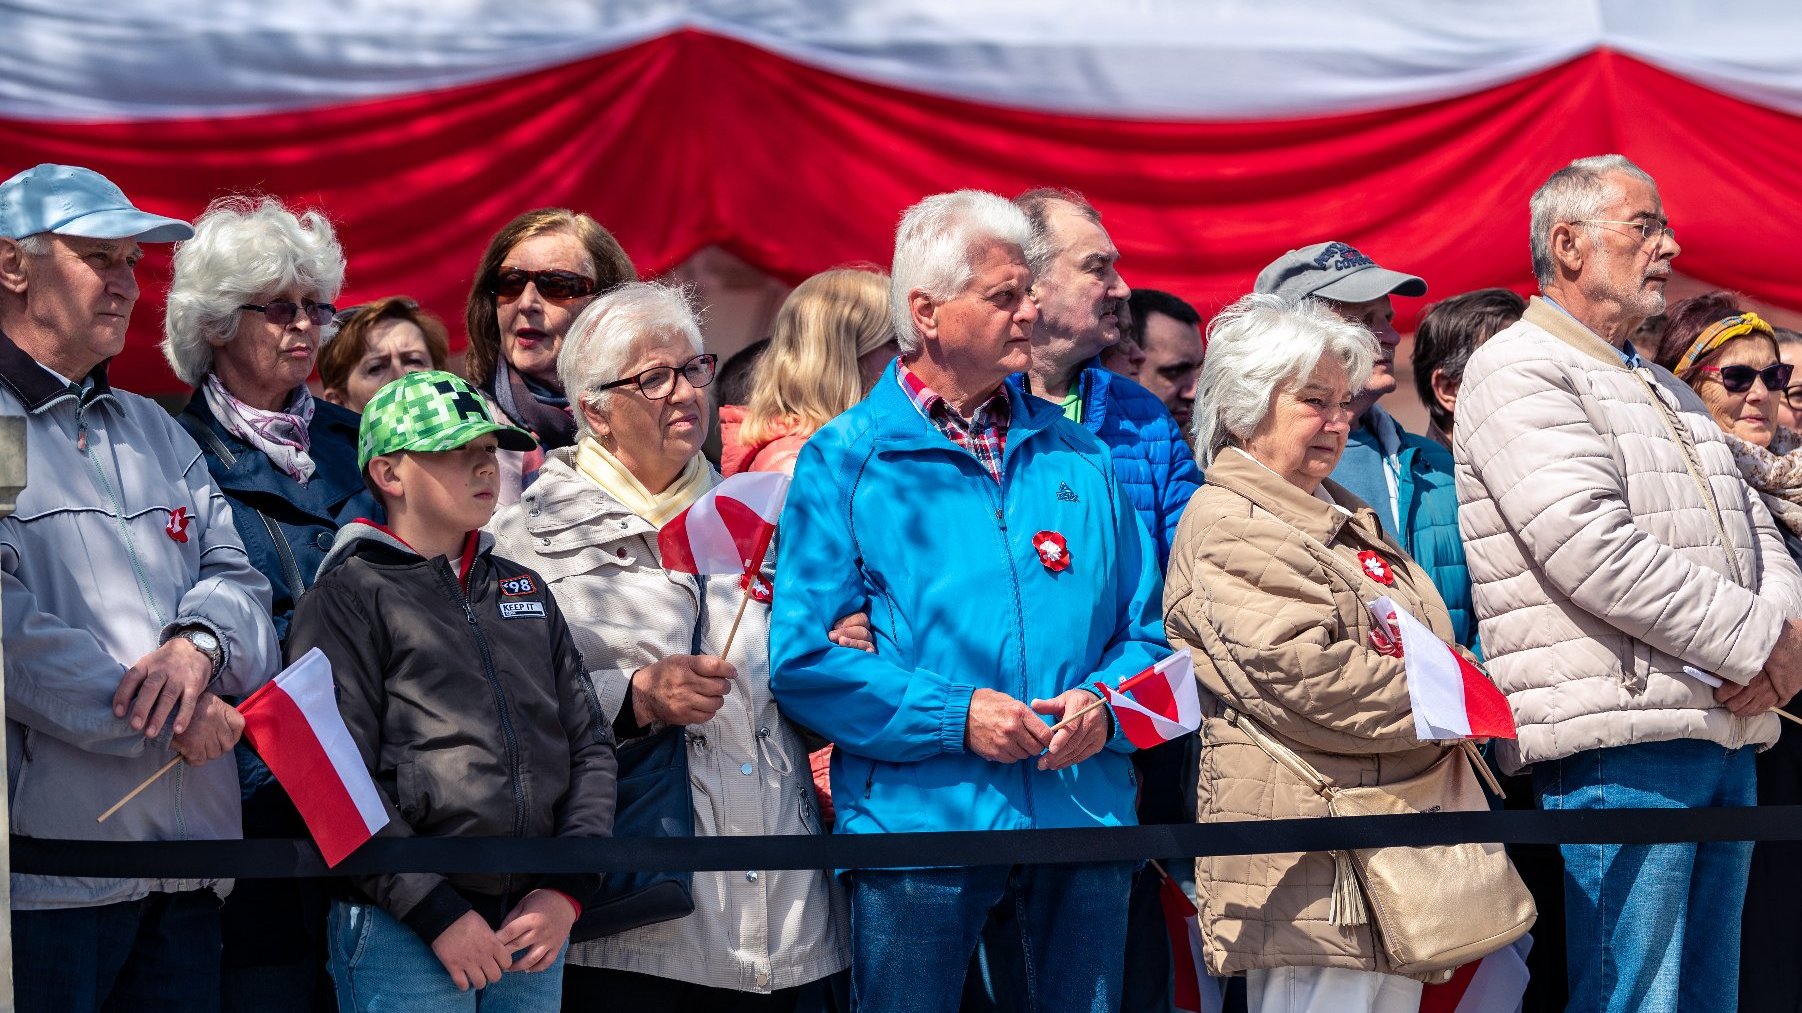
692 139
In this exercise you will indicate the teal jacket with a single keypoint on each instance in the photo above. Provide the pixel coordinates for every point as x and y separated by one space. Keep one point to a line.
887 515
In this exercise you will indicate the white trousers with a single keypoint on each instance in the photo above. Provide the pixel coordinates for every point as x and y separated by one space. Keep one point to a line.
1329 990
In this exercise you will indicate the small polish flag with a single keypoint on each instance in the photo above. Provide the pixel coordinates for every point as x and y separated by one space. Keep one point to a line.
1196 990
1451 698
728 529
1158 704
1495 984
294 725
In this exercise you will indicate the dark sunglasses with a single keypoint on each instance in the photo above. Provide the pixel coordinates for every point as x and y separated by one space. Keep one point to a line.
1738 379
509 282
282 312
660 381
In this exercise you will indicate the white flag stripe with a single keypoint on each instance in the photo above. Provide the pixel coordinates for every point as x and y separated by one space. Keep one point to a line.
1180 668
308 682
1435 684
1167 728
711 542
762 491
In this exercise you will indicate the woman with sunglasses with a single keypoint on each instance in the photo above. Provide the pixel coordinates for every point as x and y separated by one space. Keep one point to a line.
639 382
1734 360
250 306
539 271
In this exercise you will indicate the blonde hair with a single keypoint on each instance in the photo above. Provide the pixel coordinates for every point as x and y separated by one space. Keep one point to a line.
810 373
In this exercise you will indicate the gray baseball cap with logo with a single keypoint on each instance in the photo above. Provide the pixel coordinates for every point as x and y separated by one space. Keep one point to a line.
1335 271
72 201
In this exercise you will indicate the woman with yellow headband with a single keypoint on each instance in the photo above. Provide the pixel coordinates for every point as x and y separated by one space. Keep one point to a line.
1732 359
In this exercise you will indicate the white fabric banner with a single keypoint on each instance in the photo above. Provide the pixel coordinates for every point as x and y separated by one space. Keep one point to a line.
1161 59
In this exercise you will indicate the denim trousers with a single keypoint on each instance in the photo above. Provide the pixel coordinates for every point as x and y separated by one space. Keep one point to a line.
381 966
1652 928
159 953
913 931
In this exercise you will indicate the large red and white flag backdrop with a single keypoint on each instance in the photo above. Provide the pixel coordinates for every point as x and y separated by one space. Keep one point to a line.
1213 136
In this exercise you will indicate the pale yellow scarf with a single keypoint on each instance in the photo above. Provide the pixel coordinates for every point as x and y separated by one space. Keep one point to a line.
599 466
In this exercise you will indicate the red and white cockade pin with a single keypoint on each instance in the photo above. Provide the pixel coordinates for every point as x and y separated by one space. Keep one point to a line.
759 589
1376 567
1052 550
177 528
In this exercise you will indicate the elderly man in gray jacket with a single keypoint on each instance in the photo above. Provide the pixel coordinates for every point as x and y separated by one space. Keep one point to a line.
129 609
1622 570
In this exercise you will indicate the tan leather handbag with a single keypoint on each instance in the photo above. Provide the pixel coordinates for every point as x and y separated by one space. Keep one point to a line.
1432 908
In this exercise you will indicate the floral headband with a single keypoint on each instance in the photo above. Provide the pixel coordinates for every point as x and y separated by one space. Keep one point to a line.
1719 333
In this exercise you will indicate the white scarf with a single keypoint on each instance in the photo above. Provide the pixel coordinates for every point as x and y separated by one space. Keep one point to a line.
283 436
595 463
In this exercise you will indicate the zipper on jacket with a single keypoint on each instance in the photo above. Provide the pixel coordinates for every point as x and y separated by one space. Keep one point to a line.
1013 573
869 779
500 701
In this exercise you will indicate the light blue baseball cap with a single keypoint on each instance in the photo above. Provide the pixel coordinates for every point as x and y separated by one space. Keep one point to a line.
72 201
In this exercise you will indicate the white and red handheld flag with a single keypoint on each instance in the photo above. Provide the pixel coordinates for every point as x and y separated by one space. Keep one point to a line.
1158 704
1196 991
1452 698
294 725
728 529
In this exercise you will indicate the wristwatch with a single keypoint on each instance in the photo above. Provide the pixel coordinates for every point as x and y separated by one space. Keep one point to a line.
207 644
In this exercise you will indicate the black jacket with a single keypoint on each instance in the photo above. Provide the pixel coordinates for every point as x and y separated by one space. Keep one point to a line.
471 709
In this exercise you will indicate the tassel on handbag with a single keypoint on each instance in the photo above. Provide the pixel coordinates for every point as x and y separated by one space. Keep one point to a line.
1348 896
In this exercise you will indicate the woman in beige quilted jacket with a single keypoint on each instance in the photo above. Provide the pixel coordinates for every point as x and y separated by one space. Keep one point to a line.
650 638
1292 647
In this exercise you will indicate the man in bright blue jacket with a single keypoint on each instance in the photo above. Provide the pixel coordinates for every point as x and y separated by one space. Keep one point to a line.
1003 570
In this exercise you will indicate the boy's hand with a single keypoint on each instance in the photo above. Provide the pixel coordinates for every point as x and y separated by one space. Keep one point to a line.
472 952
539 925
682 689
216 728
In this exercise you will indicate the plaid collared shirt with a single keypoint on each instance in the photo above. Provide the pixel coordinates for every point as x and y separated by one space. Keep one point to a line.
983 434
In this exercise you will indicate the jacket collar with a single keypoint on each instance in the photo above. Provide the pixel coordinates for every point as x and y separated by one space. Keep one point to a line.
1234 470
1565 328
1094 384
899 424
36 387
335 479
572 512
365 537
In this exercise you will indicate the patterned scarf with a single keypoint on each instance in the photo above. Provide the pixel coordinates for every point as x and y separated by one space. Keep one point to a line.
284 436
1776 473
546 415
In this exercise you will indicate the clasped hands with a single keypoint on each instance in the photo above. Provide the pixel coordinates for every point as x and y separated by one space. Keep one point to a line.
169 686
1773 686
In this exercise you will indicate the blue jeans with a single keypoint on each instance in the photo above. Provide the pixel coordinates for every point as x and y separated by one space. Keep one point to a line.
1652 928
143 956
913 930
381 966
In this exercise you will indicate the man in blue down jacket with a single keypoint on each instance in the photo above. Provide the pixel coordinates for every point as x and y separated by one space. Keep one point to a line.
1003 570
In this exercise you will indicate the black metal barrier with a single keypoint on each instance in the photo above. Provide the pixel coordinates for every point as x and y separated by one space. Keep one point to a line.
285 859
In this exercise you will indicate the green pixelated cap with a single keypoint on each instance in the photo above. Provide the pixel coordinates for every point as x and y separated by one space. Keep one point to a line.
429 411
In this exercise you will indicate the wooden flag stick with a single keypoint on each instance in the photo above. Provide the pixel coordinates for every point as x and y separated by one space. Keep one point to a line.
1786 715
1072 719
135 792
742 604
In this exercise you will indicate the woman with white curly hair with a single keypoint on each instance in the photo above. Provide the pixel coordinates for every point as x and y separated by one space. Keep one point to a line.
1269 578
249 308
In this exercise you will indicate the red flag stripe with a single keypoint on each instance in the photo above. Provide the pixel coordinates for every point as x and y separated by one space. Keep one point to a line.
281 735
1486 707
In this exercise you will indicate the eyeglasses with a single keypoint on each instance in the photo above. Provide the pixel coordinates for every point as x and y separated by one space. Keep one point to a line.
660 381
1738 379
1792 396
282 312
1649 228
508 283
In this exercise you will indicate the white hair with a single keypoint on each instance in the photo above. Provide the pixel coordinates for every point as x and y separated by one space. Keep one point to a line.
603 339
37 244
1576 193
244 250
1259 345
936 247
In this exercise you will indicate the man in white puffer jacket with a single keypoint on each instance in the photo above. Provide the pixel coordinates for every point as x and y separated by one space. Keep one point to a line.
1615 552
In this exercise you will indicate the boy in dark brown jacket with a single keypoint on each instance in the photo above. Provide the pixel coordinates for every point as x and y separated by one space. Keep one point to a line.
458 680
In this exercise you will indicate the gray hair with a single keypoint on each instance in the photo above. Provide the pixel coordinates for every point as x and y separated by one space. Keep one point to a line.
936 245
600 343
1260 344
1037 205
244 250
36 245
1575 193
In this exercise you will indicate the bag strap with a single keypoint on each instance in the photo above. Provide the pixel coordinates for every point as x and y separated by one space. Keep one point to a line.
1686 444
297 585
1276 750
